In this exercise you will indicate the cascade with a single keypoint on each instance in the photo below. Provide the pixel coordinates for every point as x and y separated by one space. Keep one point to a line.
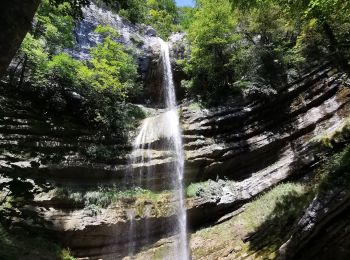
166 129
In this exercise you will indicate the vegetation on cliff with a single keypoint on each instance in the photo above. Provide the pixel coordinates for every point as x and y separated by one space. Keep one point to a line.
98 88
258 46
234 48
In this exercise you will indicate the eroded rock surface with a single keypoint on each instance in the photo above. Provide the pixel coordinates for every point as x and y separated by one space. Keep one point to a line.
260 145
245 150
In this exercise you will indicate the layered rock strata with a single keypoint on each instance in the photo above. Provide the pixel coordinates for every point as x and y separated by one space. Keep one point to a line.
254 145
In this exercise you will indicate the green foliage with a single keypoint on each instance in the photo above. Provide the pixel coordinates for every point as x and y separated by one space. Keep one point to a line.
262 61
104 83
186 16
330 15
335 172
101 152
258 46
322 10
63 68
111 67
212 43
162 16
136 198
134 10
311 43
55 26
51 34
74 7
101 197
34 56
194 188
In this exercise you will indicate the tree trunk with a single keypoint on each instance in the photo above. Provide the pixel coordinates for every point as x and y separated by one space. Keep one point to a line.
333 47
339 58
16 17
21 79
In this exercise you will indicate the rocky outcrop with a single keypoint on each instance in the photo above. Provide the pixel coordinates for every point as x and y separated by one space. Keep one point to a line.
16 19
245 149
139 39
322 233
260 145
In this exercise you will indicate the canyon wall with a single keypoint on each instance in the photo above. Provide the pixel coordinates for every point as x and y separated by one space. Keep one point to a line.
244 149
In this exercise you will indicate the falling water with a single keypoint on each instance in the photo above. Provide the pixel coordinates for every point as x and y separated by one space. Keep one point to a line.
175 143
166 127
131 217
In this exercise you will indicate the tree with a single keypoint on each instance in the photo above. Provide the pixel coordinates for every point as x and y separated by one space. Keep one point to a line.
267 51
162 15
16 17
213 42
111 67
134 10
186 15
51 34
324 12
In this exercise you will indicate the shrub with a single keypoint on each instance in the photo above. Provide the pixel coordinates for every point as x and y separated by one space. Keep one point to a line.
194 188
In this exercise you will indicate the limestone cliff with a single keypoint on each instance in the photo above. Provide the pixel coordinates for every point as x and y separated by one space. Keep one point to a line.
236 154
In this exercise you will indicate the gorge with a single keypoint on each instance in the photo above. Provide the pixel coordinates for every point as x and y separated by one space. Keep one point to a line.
194 136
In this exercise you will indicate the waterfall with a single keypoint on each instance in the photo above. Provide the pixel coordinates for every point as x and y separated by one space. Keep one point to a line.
166 129
175 142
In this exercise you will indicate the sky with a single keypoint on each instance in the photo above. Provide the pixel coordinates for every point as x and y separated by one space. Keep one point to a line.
185 3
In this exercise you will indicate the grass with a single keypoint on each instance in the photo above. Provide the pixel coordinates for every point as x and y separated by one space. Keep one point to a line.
328 140
159 203
102 197
335 173
265 221
285 198
94 200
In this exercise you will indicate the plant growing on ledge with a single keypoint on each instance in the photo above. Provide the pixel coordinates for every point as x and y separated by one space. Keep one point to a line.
111 67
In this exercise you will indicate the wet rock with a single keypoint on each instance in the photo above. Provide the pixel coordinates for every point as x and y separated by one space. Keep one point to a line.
150 32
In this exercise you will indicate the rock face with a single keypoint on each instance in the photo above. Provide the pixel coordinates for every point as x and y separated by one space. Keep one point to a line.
244 149
254 145
323 232
15 19
260 145
140 39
